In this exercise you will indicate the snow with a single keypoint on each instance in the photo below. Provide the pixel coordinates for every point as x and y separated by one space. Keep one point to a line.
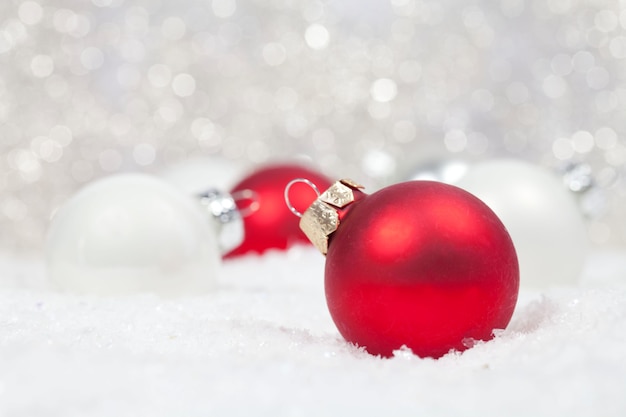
263 343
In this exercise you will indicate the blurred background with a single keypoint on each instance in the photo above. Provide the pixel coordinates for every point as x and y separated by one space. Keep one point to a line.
372 90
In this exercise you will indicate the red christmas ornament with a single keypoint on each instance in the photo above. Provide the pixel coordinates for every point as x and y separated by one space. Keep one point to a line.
421 264
268 223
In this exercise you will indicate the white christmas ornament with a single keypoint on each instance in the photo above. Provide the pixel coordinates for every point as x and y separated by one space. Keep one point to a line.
132 233
540 213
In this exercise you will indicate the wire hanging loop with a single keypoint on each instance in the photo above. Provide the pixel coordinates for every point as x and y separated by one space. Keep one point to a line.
288 187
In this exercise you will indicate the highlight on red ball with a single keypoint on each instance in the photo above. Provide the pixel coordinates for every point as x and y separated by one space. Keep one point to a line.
268 222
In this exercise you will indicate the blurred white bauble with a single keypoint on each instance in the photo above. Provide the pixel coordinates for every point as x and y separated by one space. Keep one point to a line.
540 213
131 233
196 175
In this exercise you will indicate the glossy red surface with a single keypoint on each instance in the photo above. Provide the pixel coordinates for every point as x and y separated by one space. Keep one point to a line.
272 225
421 264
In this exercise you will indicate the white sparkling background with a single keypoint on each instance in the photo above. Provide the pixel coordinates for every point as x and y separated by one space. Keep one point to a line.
368 90
362 89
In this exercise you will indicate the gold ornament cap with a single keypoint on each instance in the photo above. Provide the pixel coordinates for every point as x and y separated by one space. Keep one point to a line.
321 219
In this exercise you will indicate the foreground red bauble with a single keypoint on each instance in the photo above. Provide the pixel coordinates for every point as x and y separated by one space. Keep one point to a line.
268 223
419 264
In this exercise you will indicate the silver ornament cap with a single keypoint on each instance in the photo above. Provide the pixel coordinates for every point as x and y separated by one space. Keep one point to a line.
225 216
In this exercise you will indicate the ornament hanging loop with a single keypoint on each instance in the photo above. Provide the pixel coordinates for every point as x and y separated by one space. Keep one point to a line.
288 187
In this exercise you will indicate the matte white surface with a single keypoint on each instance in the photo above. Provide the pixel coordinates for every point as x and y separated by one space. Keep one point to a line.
130 233
542 216
263 344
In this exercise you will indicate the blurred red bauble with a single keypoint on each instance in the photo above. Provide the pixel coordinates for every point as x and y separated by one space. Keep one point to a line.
268 223
421 264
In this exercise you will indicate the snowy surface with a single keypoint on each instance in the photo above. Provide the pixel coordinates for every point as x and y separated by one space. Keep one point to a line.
264 344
